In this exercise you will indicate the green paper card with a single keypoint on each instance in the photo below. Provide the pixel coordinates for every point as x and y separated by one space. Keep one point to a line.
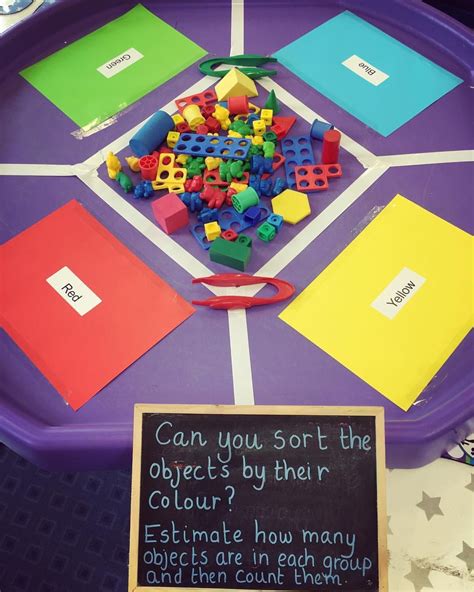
112 67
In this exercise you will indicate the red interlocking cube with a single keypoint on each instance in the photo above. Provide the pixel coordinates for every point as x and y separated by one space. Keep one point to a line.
170 213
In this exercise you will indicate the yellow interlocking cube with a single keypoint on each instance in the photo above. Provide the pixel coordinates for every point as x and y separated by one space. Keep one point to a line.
267 116
257 140
259 127
177 118
172 138
212 230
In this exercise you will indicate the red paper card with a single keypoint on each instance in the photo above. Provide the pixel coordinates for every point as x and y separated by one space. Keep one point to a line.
79 304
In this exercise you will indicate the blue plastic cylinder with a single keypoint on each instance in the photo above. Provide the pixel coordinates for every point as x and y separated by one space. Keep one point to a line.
151 134
318 128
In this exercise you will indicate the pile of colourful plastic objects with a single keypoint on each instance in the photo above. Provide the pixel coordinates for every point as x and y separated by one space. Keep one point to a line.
214 160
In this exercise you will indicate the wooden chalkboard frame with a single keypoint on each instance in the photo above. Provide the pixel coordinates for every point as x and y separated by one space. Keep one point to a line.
141 409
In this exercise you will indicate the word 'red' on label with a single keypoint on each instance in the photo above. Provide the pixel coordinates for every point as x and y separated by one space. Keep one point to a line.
74 291
398 292
120 62
365 70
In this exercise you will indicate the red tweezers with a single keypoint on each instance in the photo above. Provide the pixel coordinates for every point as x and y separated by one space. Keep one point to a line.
285 290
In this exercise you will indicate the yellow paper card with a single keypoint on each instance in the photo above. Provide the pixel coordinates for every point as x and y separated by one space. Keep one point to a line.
394 305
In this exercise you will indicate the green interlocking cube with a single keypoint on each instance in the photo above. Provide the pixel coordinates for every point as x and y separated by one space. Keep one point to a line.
266 232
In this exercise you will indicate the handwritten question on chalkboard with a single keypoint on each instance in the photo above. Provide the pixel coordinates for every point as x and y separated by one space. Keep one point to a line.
247 500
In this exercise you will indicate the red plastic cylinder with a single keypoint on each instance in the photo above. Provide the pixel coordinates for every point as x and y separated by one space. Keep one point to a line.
148 166
331 141
238 105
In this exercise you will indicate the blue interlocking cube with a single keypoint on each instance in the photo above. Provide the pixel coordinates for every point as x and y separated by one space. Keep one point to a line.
275 220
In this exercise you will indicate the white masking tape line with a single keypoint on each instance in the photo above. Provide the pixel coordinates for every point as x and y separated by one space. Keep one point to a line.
237 28
122 141
149 230
364 156
38 170
292 249
446 157
240 357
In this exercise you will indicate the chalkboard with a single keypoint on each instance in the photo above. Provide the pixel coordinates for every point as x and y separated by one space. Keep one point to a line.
258 498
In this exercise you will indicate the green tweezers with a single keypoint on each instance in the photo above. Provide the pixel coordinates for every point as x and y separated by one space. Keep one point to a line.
246 59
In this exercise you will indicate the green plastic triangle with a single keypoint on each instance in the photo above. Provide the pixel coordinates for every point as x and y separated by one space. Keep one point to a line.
272 103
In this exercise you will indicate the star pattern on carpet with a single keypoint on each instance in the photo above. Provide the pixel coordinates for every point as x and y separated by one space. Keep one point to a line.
430 506
419 577
467 556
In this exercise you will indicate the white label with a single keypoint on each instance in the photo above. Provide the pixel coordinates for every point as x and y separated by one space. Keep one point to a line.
399 291
365 70
73 291
120 62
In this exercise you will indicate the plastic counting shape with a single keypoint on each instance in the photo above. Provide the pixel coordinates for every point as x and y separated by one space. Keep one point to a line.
170 213
259 127
293 206
281 126
297 150
275 220
266 115
199 145
148 167
253 215
238 105
212 163
198 233
213 178
272 102
228 218
266 232
124 181
113 165
319 128
330 152
315 177
168 176
151 134
245 240
212 124
229 235
230 253
235 84
208 215
171 139
143 190
193 116
205 98
177 118
133 163
245 199
240 185
212 230
192 200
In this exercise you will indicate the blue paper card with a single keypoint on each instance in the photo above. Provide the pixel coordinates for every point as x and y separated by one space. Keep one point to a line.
368 73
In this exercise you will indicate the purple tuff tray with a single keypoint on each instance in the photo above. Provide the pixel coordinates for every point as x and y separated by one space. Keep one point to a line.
196 363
